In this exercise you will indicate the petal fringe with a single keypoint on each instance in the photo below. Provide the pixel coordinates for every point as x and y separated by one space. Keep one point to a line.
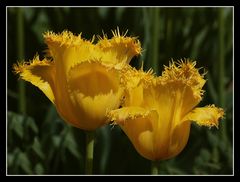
207 116
39 73
120 116
119 48
184 71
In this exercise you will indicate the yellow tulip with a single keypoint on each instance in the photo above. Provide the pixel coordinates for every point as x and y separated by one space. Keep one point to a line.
80 78
157 111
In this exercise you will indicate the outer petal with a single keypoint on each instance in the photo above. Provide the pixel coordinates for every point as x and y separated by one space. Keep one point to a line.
177 141
207 116
126 113
185 72
139 125
119 49
40 74
92 110
68 50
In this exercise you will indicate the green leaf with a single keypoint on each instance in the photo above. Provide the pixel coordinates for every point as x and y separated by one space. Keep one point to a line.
18 122
71 144
174 170
205 154
56 141
10 159
213 139
24 163
39 168
15 123
37 148
31 124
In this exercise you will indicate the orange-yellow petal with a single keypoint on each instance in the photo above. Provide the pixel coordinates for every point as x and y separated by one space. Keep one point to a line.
206 116
94 89
118 49
171 96
40 74
184 71
139 125
68 50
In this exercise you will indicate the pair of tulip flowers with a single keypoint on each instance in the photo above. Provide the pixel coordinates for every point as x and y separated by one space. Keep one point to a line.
91 84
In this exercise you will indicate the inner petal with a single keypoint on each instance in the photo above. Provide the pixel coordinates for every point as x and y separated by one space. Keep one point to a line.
93 78
172 101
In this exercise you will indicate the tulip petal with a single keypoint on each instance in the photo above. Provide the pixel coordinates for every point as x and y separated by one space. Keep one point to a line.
184 71
126 113
135 82
94 88
139 125
92 78
92 110
40 74
178 140
207 116
68 49
118 49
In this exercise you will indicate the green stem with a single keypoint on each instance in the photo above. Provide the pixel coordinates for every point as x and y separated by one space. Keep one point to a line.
155 40
221 70
89 152
154 169
20 41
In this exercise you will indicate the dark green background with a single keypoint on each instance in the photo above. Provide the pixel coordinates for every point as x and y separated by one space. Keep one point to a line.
40 142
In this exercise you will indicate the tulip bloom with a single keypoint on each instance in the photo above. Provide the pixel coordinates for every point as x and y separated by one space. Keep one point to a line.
157 111
80 78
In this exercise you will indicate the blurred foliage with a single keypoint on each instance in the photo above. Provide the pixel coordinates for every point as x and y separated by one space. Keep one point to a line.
40 142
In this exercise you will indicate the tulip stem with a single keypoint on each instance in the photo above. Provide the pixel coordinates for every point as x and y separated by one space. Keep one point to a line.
89 152
155 167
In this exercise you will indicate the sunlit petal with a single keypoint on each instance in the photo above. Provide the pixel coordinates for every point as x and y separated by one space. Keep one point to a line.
118 49
206 116
40 74
156 112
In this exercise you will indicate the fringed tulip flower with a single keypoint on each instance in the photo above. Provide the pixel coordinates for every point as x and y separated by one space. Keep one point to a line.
157 111
80 78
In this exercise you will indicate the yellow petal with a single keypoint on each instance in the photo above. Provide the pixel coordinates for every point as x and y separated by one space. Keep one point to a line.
184 71
177 141
139 125
68 50
118 49
92 78
92 110
207 116
94 89
135 81
135 96
175 93
126 113
171 96
40 74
